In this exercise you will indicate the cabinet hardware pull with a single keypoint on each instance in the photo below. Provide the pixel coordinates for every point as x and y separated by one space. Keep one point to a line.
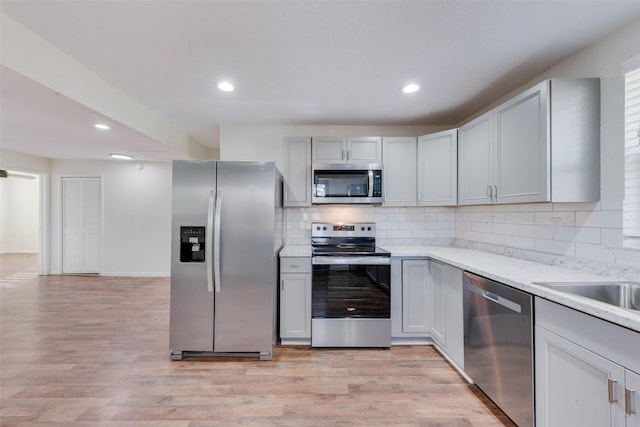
343 154
489 191
495 193
282 285
348 154
627 401
294 266
610 384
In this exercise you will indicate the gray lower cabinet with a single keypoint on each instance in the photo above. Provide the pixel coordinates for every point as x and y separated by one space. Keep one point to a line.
446 310
295 300
410 293
585 370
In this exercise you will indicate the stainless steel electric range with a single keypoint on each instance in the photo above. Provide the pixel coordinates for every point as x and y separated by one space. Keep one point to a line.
351 286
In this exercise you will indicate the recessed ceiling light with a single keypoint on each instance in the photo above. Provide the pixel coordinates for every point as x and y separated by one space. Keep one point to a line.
102 126
121 157
411 88
225 86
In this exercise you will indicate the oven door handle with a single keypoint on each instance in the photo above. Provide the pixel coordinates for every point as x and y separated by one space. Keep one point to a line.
351 260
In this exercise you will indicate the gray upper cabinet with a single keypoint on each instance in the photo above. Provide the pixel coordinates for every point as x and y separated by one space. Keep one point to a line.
475 161
399 156
366 149
437 169
540 146
297 173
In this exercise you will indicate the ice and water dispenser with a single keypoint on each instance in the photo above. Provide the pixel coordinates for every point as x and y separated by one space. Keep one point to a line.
192 243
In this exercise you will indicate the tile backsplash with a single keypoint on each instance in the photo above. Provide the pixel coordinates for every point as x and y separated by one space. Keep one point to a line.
395 226
573 235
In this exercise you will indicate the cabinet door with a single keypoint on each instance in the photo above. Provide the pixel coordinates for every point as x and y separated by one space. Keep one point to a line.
364 149
437 169
574 386
454 325
415 296
522 146
438 304
295 306
475 161
297 171
632 398
399 155
329 150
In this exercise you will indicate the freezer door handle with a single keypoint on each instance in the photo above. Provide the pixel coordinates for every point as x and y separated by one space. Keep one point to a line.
216 241
208 246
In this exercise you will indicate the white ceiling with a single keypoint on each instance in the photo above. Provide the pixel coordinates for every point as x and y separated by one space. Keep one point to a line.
292 62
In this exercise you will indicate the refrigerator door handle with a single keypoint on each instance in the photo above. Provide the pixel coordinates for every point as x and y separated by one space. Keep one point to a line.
208 245
216 241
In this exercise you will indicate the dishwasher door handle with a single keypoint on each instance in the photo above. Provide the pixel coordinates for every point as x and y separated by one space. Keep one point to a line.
513 306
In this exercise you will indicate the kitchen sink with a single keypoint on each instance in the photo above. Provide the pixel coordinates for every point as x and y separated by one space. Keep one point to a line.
621 294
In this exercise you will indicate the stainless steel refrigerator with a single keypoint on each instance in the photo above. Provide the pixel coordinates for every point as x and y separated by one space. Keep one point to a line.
226 234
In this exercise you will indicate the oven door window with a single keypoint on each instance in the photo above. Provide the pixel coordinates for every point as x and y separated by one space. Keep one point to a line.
341 183
340 291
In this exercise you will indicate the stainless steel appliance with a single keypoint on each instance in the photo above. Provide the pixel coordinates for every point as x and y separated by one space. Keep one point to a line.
347 183
226 233
498 345
350 287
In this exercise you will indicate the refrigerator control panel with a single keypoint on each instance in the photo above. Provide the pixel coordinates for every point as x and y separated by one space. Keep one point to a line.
192 243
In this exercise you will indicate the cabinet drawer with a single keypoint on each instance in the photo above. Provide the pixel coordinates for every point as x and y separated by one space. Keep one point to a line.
295 265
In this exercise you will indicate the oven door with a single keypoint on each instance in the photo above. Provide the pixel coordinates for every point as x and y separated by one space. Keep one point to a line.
351 287
351 301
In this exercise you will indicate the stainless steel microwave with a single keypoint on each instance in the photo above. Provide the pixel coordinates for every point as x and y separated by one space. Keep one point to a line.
347 183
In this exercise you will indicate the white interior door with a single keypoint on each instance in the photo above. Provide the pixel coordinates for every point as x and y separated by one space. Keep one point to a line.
81 234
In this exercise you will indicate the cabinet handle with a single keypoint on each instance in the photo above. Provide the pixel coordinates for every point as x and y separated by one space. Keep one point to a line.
282 285
610 384
627 401
294 266
495 193
489 191
349 155
343 154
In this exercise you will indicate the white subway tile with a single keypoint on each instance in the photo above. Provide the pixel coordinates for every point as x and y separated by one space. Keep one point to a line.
519 217
398 234
535 207
611 236
575 207
577 234
537 231
496 239
506 229
604 219
505 208
527 243
553 218
596 252
555 247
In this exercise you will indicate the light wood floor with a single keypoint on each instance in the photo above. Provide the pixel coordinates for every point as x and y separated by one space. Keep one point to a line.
90 351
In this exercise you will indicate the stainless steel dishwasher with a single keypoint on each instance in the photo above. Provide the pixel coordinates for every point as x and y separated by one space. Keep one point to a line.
498 345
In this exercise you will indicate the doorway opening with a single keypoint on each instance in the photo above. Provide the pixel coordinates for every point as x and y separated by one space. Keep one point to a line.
20 226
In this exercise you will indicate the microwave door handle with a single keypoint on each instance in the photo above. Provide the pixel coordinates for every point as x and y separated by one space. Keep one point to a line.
370 183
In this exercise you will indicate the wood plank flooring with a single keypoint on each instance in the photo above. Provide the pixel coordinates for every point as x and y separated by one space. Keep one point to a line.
92 351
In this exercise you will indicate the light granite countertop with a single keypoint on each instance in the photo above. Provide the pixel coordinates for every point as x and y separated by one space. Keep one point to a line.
514 272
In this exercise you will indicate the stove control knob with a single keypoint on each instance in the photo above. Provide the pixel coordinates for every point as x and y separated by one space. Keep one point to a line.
318 228
362 228
324 228
369 228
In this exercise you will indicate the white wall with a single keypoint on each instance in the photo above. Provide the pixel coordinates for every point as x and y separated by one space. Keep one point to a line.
136 215
19 214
